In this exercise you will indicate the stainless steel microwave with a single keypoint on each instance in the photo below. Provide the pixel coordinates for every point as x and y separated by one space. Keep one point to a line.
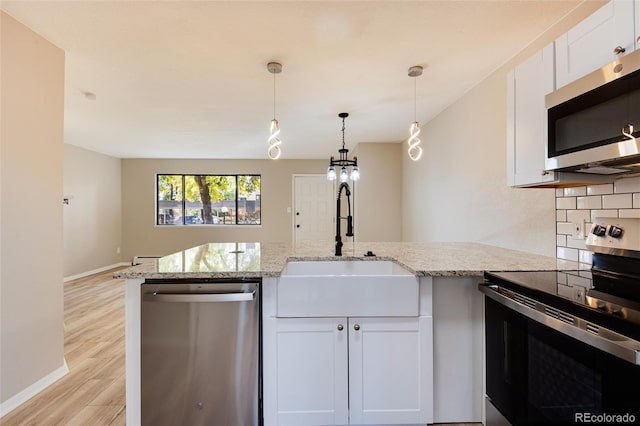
594 122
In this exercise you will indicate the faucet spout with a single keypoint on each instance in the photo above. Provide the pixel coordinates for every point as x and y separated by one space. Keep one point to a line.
343 186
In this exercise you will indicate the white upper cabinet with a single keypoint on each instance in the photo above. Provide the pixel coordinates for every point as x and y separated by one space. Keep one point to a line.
527 85
598 40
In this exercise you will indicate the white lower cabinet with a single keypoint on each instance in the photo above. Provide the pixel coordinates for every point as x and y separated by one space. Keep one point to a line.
359 370
390 365
311 380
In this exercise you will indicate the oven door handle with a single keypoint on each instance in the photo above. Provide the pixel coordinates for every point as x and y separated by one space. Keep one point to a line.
606 340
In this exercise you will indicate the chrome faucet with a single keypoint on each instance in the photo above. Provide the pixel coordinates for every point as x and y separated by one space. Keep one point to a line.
347 190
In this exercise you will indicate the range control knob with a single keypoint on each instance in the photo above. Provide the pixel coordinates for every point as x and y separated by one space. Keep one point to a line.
598 230
615 231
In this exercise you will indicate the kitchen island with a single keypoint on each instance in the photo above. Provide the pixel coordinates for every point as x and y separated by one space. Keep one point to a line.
446 321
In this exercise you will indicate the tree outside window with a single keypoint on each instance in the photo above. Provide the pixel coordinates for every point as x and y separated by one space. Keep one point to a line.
208 200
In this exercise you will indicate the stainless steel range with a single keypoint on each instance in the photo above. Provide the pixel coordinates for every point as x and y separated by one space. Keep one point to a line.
564 346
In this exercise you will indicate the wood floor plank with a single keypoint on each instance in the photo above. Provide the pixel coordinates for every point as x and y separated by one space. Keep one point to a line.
96 415
93 392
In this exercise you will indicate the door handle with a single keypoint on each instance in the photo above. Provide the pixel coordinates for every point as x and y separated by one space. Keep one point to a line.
199 297
297 226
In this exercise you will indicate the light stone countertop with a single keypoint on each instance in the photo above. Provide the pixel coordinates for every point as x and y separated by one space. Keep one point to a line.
255 260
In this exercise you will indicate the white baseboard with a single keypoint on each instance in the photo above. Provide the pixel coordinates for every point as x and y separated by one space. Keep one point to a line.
23 396
95 271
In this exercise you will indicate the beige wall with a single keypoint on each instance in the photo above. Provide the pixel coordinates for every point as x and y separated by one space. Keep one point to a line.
378 195
32 113
93 217
458 190
142 238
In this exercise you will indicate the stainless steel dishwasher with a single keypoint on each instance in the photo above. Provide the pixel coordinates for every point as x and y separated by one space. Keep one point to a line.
200 353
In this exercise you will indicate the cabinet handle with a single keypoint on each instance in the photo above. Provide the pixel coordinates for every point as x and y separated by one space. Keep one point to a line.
544 172
619 49
340 327
356 327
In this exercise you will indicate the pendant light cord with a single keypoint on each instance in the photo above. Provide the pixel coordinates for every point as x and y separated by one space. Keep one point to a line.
343 132
414 99
274 96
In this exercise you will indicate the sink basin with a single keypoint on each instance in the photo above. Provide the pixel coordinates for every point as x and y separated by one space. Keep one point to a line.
345 267
346 288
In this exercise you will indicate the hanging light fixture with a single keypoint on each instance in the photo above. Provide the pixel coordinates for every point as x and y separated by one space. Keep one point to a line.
415 150
343 162
274 150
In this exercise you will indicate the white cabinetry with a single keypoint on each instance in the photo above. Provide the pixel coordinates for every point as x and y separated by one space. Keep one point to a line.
368 368
597 41
390 363
527 85
311 371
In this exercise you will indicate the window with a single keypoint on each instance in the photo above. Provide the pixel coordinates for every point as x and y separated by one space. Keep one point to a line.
208 199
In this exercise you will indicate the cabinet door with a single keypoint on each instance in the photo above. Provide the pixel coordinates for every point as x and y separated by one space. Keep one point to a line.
527 86
590 44
390 370
312 387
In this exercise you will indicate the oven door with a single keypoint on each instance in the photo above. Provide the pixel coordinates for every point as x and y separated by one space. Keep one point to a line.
537 375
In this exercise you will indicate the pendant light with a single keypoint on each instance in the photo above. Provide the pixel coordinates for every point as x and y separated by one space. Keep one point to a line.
415 150
274 141
343 161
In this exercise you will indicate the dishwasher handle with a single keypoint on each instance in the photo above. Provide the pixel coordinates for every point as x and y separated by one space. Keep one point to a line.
199 297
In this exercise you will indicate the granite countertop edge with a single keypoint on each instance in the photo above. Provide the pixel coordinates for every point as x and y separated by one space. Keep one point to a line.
421 259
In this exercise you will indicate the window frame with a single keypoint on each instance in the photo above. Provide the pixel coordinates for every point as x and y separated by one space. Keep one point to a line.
184 200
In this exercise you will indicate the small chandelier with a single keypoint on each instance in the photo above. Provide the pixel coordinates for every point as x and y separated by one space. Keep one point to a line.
343 162
415 150
274 141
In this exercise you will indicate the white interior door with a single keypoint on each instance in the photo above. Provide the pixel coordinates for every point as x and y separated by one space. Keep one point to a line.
313 208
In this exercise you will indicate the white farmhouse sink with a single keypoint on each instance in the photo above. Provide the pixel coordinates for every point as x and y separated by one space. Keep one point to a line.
345 267
346 289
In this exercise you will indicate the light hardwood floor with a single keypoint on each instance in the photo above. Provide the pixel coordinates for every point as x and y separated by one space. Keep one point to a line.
92 393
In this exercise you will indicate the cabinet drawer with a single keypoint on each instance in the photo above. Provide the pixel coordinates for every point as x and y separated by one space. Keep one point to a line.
318 296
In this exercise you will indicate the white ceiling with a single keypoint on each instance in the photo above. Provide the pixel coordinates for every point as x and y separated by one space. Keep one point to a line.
188 79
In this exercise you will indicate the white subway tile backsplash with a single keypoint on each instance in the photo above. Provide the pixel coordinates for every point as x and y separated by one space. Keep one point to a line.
629 213
576 243
585 256
619 201
565 291
627 185
574 280
566 203
561 240
564 228
577 191
584 205
578 216
591 202
562 277
600 189
567 254
603 213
